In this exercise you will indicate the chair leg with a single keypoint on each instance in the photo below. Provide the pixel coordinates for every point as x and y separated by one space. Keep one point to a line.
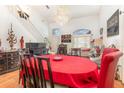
24 80
19 78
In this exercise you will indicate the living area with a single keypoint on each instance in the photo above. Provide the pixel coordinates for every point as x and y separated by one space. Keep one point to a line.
65 46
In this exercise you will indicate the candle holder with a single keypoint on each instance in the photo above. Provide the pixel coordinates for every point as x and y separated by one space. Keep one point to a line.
11 38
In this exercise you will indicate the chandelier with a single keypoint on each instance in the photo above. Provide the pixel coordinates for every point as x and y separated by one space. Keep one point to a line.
61 16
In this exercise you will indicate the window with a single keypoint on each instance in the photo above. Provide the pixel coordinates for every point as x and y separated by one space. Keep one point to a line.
56 32
81 32
82 42
81 38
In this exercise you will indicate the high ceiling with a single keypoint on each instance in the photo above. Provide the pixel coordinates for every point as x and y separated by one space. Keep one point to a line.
72 11
76 11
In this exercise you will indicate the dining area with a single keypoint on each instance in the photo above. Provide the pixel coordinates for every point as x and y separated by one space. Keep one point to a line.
61 46
63 71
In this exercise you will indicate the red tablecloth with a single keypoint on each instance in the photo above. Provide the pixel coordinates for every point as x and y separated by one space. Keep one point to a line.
73 71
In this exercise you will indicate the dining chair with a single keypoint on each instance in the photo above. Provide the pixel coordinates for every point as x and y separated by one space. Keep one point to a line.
33 72
76 51
27 75
86 52
108 50
106 76
22 69
108 69
98 60
42 77
62 49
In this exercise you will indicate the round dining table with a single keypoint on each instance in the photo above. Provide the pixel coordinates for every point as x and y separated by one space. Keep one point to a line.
72 71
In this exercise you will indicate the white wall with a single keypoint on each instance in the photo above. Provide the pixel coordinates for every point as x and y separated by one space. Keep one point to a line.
105 13
35 25
94 23
39 22
6 18
55 41
89 22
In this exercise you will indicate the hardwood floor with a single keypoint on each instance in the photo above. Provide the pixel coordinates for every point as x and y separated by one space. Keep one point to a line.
118 84
10 80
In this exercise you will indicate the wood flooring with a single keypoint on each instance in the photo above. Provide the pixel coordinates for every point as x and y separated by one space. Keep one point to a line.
10 80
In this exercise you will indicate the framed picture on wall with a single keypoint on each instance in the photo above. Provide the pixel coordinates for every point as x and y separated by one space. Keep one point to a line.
66 38
113 24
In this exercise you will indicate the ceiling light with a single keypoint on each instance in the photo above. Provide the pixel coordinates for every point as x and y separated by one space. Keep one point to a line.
61 17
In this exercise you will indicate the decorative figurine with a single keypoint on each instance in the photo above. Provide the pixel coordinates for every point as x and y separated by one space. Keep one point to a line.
22 42
11 39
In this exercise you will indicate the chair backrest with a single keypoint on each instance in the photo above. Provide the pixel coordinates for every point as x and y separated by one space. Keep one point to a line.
28 69
34 76
108 50
42 74
76 51
62 49
108 68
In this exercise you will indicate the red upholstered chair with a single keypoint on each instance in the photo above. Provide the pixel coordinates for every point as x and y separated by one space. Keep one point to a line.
108 50
107 71
108 68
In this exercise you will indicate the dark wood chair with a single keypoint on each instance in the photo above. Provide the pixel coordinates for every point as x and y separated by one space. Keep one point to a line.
76 51
42 74
33 71
62 49
28 76
21 69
